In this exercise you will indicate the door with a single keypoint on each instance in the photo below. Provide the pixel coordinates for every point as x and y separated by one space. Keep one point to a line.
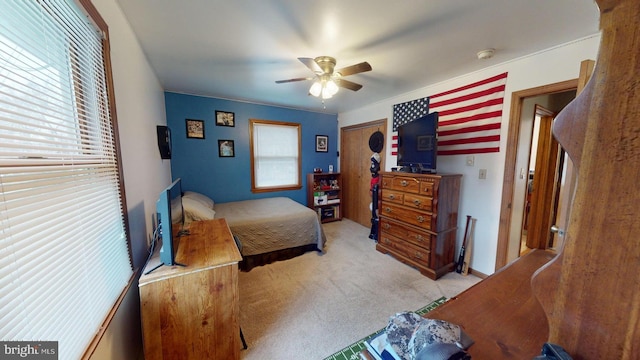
543 190
355 160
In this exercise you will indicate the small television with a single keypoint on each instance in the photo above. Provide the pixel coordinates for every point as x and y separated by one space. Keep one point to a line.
418 144
170 222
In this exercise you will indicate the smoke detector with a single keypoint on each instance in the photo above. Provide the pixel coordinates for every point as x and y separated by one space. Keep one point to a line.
486 54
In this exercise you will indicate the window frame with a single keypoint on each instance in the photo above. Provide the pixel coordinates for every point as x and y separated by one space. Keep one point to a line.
93 17
263 189
101 25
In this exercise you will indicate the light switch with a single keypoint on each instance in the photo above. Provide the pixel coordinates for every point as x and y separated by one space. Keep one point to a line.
482 174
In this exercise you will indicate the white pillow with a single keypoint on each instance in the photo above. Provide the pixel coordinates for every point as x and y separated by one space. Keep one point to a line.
206 201
194 210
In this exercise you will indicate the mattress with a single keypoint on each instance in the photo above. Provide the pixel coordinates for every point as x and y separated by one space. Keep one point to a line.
272 224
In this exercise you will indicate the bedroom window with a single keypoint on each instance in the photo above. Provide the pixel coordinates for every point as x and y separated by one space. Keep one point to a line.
64 250
275 156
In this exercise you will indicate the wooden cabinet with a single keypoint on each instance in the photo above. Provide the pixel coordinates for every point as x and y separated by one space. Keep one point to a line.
324 195
192 312
419 219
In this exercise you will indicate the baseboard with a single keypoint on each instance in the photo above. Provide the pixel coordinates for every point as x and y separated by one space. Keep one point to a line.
478 273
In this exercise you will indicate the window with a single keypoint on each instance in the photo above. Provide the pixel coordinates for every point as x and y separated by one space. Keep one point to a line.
64 251
275 156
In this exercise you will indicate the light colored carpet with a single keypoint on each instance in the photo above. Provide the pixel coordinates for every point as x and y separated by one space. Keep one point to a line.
313 305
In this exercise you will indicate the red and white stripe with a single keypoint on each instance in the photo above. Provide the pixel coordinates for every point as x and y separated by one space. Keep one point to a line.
470 117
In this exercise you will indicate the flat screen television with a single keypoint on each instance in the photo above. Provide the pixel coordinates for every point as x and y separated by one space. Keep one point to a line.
170 222
418 144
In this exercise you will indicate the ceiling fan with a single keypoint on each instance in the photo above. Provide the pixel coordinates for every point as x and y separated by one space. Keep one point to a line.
327 80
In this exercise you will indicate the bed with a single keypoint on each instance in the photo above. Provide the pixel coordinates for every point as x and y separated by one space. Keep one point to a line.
268 229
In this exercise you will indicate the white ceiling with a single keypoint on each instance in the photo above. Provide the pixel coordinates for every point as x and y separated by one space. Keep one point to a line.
237 49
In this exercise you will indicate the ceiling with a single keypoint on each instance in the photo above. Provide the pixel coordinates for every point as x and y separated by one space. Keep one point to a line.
238 49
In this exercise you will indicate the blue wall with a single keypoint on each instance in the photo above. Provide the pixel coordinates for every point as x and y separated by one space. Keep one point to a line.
197 163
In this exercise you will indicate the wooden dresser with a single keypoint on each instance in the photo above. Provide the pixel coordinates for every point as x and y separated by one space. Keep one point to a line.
419 219
192 312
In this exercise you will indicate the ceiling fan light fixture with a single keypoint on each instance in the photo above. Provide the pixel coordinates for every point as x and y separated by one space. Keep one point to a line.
327 82
324 88
329 89
315 89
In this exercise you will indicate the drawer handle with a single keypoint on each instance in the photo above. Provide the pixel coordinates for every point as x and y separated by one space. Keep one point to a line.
416 202
386 226
391 197
420 238
386 241
404 183
418 255
420 218
387 209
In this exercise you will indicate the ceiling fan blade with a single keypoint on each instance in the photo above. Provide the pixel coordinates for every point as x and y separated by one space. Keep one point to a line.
292 80
348 84
354 69
312 65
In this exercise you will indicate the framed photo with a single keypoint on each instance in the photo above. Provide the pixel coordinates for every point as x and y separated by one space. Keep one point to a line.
226 148
225 118
195 129
322 143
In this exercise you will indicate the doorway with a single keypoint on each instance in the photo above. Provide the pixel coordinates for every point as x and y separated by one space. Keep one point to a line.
355 160
569 176
516 173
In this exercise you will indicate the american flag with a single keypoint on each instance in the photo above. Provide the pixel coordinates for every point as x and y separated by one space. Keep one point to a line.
409 111
469 117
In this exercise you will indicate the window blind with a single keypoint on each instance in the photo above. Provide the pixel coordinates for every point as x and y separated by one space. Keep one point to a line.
276 154
64 257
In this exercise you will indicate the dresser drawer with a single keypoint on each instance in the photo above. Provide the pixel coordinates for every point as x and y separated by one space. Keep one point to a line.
392 196
415 217
407 184
427 187
418 202
401 183
405 249
399 230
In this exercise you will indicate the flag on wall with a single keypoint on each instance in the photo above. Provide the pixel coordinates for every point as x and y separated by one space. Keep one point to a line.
409 111
469 117
404 113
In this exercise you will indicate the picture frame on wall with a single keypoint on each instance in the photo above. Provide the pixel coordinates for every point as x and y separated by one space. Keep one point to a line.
322 143
195 129
225 118
226 148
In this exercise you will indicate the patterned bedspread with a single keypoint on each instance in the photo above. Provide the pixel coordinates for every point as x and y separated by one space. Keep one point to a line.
266 225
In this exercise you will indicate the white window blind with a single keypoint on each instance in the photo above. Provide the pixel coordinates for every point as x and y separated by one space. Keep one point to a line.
64 257
275 154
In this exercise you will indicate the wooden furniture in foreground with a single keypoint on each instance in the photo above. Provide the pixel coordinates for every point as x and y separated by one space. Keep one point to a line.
500 313
192 312
324 195
419 219
589 293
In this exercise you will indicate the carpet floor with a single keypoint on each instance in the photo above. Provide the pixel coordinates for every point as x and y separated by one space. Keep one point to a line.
313 305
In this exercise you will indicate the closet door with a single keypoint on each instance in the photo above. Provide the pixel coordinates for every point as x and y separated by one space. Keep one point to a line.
355 160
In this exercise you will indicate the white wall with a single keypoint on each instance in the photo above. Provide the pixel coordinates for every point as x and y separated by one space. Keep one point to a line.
481 198
139 107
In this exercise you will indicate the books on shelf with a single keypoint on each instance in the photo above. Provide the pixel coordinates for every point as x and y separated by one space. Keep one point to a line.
329 212
379 348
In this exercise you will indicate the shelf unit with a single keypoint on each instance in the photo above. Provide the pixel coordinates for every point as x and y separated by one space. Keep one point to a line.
324 195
